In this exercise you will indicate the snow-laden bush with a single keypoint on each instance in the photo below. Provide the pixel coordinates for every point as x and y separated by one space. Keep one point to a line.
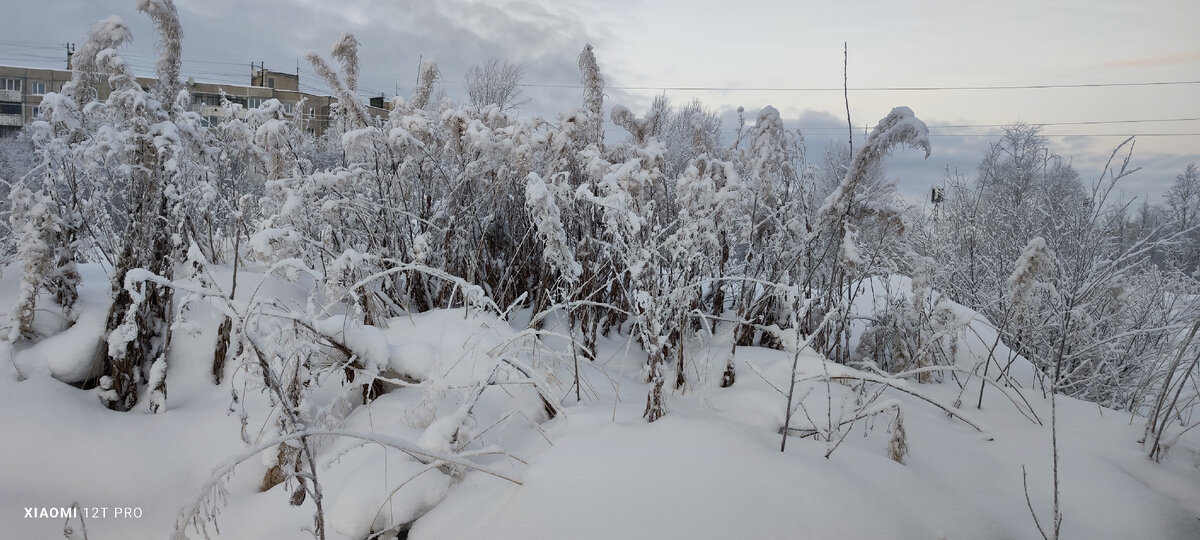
664 237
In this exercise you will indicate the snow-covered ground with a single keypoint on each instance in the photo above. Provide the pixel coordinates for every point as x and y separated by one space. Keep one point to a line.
710 469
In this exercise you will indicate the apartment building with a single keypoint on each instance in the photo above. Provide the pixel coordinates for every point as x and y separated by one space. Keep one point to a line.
21 91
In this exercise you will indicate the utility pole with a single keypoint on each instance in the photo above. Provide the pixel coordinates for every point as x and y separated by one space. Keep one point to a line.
846 92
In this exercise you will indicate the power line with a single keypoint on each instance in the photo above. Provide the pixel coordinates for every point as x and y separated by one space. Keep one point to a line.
867 88
743 89
19 46
1083 123
830 129
1076 135
136 60
26 56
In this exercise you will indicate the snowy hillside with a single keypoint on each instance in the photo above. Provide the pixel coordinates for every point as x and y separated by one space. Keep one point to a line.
710 469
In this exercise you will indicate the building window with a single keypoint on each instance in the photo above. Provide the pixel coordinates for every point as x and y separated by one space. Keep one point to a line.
254 102
12 84
271 82
10 108
288 107
211 100
37 113
38 88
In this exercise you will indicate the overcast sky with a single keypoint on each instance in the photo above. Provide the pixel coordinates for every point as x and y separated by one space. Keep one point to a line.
735 46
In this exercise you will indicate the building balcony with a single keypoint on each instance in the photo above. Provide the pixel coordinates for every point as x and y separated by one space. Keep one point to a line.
11 120
13 96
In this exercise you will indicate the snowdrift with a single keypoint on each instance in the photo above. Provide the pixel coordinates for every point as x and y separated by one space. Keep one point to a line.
710 469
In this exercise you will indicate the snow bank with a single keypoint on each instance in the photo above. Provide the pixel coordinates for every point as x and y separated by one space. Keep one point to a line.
68 355
372 498
710 469
690 477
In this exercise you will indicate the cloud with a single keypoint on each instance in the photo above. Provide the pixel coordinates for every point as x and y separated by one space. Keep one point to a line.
1153 61
222 38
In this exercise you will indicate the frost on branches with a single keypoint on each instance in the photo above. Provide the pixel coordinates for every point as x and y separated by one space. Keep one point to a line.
549 240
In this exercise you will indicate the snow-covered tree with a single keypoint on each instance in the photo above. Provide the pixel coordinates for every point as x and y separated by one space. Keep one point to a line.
593 97
1183 203
495 82
32 223
154 128
858 206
